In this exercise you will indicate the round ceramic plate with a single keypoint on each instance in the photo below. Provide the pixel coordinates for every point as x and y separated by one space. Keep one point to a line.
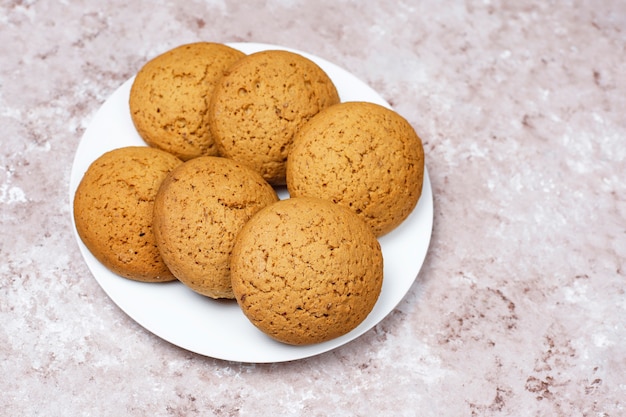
218 328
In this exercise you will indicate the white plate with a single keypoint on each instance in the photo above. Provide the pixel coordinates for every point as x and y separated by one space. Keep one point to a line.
218 328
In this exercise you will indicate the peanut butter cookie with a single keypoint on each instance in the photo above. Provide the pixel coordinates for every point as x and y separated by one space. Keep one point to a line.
363 156
199 209
113 211
170 95
305 270
261 103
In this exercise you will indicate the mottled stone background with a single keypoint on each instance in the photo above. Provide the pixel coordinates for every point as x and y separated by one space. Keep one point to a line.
520 308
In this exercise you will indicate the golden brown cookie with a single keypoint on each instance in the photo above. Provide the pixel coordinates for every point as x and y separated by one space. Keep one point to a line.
113 211
261 103
363 156
199 209
305 270
170 94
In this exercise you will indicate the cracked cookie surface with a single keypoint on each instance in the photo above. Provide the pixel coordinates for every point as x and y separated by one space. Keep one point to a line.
198 211
363 156
305 270
265 98
113 211
170 96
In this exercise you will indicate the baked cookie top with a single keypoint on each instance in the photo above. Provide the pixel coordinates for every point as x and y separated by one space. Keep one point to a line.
305 270
199 209
363 156
261 103
170 95
113 211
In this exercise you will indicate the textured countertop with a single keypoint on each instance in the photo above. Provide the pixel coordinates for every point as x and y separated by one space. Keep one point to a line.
520 307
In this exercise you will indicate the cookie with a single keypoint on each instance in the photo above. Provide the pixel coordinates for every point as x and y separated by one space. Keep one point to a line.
113 211
170 94
257 107
363 156
199 209
305 270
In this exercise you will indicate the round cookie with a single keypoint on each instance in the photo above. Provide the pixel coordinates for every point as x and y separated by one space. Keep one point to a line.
305 270
113 211
363 156
170 94
199 209
261 103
